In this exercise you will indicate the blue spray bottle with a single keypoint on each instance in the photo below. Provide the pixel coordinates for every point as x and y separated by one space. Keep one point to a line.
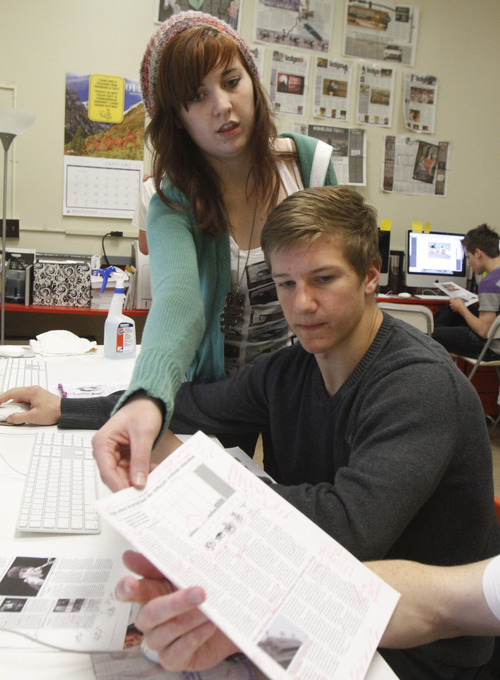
119 330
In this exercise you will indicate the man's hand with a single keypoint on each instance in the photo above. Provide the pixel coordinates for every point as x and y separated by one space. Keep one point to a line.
170 619
458 305
122 447
44 407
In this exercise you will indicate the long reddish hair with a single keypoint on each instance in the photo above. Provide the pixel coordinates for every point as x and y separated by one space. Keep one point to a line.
185 61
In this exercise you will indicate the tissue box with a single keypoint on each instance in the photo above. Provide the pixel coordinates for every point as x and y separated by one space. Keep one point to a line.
62 284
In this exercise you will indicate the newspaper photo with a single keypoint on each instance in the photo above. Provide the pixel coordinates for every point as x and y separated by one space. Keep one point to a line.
453 290
349 151
420 101
413 166
53 597
288 86
291 598
375 95
381 31
332 88
294 23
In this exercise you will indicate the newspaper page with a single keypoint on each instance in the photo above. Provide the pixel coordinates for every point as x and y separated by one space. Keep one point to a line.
228 10
294 23
258 52
332 88
131 663
420 102
288 86
381 31
293 600
349 151
375 95
454 290
85 390
49 595
416 167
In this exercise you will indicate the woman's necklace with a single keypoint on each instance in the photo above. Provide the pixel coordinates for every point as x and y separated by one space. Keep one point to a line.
232 312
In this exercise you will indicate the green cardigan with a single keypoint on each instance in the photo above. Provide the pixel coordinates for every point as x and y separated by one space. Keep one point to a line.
190 276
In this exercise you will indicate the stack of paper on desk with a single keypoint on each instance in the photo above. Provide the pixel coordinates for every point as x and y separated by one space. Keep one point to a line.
51 595
290 597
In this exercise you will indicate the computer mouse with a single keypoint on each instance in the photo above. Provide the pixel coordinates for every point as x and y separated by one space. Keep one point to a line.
405 295
9 408
11 351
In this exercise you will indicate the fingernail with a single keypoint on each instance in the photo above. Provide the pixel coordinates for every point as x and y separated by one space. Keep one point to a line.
139 479
123 590
195 596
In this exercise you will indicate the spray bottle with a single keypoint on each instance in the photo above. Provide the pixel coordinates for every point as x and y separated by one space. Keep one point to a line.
119 330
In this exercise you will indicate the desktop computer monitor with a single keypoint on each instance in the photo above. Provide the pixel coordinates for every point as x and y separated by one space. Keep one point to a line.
435 257
384 244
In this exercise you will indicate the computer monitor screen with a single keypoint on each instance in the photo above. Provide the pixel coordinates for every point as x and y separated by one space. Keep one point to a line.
435 257
384 245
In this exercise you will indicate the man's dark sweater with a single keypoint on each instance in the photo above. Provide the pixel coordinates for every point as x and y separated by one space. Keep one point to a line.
397 464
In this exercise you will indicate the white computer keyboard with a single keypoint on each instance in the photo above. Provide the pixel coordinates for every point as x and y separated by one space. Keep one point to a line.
429 296
22 372
61 485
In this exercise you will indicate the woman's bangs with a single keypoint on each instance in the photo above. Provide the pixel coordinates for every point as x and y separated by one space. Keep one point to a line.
197 55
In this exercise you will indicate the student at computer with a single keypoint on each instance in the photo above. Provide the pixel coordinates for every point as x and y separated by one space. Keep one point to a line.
435 603
461 329
362 446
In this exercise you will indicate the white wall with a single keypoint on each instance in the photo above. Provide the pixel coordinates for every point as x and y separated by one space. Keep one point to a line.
458 42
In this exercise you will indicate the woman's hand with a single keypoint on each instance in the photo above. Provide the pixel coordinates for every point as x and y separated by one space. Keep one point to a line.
122 447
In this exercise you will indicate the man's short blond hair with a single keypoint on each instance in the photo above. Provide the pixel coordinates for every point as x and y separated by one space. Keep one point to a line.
334 211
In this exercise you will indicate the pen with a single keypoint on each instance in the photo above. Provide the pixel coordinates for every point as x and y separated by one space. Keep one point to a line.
62 393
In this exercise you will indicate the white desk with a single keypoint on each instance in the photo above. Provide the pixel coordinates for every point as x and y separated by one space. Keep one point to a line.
43 663
46 663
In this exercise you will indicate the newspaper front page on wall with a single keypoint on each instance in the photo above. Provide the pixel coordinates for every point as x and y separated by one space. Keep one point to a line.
290 23
381 31
414 166
420 102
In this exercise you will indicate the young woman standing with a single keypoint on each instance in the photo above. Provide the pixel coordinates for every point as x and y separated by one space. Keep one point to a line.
219 169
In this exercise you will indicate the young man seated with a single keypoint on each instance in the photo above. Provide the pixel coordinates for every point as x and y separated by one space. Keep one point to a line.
377 436
463 330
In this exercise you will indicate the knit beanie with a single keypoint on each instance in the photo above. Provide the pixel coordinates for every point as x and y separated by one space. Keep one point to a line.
172 27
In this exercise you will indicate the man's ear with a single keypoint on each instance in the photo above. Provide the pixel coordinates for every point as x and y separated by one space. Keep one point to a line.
372 278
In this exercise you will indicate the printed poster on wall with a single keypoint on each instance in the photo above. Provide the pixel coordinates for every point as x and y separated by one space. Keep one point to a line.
349 150
103 146
414 166
228 10
288 84
420 102
258 54
375 95
294 23
381 31
332 88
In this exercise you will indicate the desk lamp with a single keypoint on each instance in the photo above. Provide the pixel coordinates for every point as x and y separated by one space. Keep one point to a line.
12 123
